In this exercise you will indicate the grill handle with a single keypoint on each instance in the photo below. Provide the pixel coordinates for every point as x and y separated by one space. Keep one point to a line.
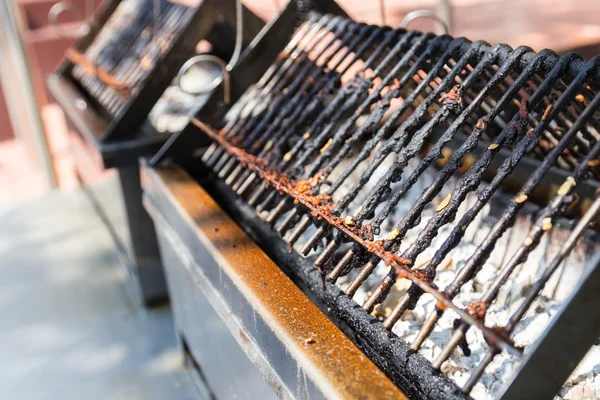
411 16
65 5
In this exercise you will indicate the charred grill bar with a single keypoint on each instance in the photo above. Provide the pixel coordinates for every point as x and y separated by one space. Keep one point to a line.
329 151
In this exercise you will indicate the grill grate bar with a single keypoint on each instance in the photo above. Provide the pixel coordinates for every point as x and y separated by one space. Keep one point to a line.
282 79
341 135
374 118
537 287
472 266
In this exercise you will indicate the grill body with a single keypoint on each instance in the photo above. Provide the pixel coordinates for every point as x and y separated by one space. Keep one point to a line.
295 163
107 143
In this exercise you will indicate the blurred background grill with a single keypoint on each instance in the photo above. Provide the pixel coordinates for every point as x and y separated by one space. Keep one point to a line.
116 85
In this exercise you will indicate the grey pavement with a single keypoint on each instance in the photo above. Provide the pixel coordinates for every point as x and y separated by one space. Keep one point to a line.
68 328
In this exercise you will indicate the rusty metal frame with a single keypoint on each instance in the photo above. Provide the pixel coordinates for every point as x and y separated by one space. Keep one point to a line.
281 330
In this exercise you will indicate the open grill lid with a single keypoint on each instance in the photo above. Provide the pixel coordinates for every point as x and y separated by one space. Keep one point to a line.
330 146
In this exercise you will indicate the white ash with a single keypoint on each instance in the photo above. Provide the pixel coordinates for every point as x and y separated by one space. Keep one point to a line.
585 382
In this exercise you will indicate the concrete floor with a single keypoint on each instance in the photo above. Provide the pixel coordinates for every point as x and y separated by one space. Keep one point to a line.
68 328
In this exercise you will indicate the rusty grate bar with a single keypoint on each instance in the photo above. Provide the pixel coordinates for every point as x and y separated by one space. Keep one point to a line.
126 49
341 130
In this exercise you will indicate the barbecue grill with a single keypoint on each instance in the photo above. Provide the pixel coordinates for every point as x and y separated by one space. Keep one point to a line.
423 191
109 83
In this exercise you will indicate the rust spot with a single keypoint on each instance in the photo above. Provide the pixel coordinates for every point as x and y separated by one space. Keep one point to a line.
493 146
482 123
440 306
452 97
581 98
477 309
90 69
544 144
424 275
547 112
368 232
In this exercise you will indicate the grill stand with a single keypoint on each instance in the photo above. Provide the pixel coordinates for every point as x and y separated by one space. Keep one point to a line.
102 147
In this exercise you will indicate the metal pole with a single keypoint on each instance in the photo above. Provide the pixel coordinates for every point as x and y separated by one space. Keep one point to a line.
19 89
444 10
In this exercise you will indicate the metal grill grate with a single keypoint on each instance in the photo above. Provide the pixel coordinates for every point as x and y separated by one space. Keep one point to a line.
112 77
331 145
127 48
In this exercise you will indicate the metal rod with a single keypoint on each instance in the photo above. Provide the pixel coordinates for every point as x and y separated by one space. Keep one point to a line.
19 90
